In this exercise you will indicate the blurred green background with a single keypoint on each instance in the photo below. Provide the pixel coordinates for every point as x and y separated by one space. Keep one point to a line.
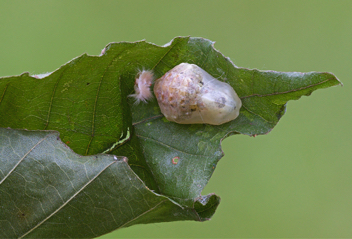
295 181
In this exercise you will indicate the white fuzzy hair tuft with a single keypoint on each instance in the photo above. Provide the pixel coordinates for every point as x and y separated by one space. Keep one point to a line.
142 86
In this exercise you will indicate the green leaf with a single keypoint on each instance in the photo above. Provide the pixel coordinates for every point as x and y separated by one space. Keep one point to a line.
86 101
47 191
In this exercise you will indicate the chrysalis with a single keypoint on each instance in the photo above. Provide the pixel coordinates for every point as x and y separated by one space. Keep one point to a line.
189 95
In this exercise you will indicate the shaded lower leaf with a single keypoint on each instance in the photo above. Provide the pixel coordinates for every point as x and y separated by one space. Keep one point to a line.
48 191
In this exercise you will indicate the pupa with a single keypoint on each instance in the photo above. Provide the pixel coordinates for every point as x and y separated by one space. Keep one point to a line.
187 94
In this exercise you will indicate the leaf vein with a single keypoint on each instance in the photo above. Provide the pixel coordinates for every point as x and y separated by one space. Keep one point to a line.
52 99
40 141
153 117
286 92
257 114
142 214
65 203
168 146
166 53
3 93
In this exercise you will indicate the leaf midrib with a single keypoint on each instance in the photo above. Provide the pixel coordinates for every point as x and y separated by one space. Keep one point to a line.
24 156
67 201
287 92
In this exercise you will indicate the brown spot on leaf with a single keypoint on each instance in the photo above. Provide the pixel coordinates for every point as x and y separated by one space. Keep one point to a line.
175 160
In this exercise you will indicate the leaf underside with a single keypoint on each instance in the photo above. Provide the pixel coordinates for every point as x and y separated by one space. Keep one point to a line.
51 191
